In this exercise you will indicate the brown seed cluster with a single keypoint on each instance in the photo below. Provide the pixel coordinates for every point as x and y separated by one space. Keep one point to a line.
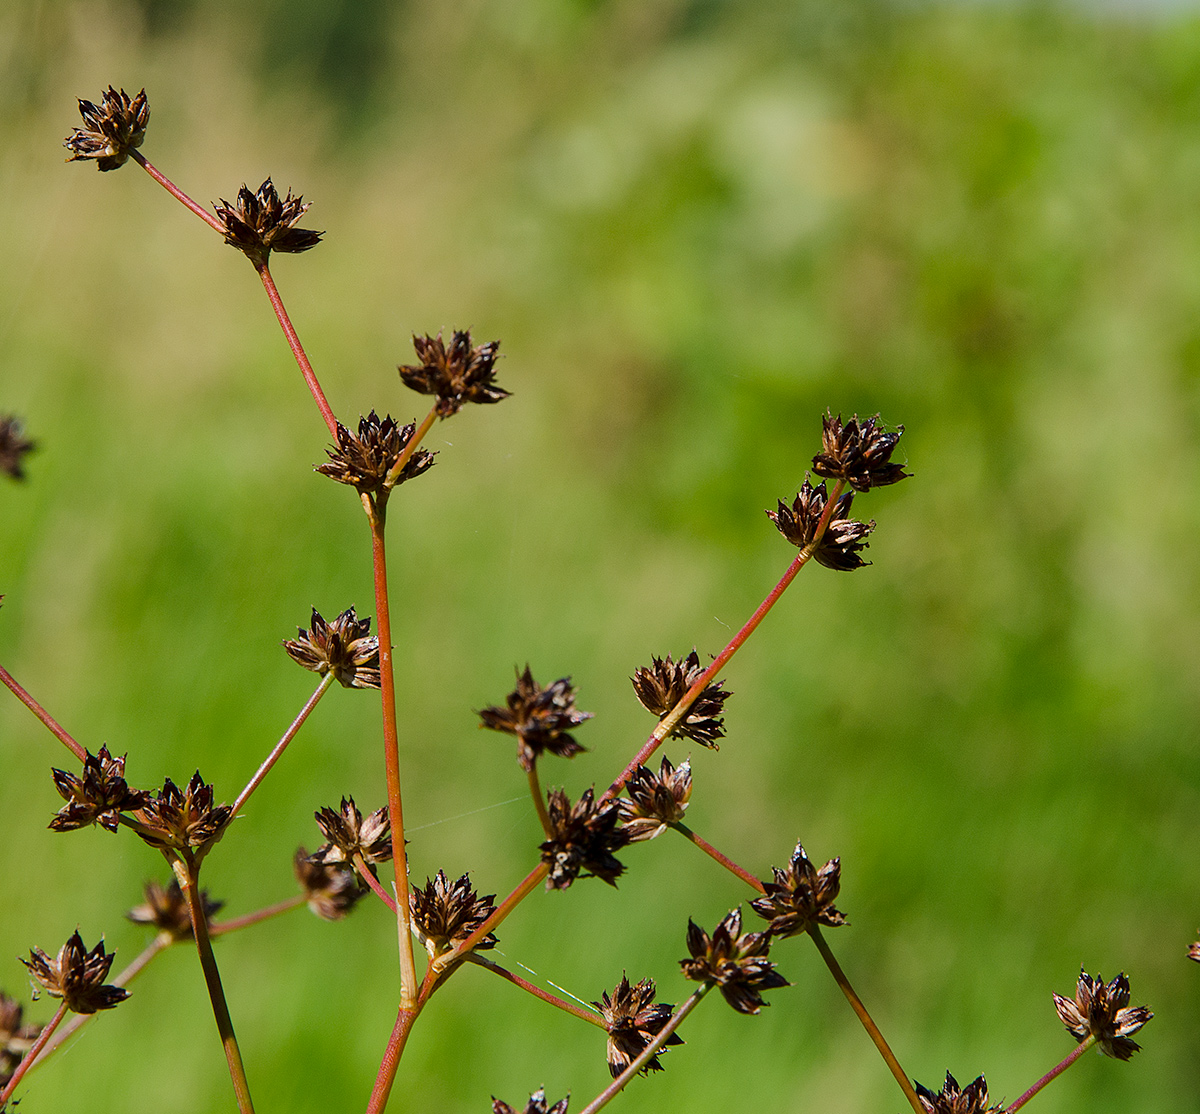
111 129
344 647
365 461
98 797
1194 951
260 222
800 896
331 889
971 1099
13 446
183 820
535 1105
583 838
633 1019
456 374
77 976
843 540
859 452
16 1038
167 910
662 684
734 961
1102 1010
446 914
541 718
655 800
350 835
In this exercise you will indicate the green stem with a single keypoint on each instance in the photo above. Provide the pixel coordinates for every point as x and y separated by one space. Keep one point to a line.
867 1020
41 713
724 860
33 1053
211 219
1054 1072
589 1016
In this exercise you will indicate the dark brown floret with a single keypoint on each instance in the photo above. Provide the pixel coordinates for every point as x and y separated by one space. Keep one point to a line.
15 1039
1194 951
535 1105
801 896
13 446
99 797
77 976
261 222
858 452
633 1019
1102 1010
843 540
167 909
365 462
184 820
655 800
972 1099
332 889
583 839
662 684
344 647
541 718
458 374
445 915
111 129
734 961
349 835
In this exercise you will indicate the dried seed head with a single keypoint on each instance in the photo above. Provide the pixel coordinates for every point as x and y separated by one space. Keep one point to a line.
13 446
1102 1010
183 820
801 896
858 452
843 539
349 835
99 797
1194 951
111 129
167 909
445 915
261 222
458 374
541 718
662 684
735 961
655 800
583 838
77 976
972 1099
633 1019
344 647
331 889
535 1105
365 462
15 1039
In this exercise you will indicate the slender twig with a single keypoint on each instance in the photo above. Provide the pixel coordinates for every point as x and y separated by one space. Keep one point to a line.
236 924
539 800
405 1017
1054 1072
867 1020
189 882
660 1038
724 860
210 219
364 872
505 907
41 713
408 450
35 1050
281 746
306 368
578 1011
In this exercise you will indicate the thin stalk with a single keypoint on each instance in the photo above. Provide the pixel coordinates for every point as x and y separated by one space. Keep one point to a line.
391 754
41 713
660 1038
235 924
578 1011
539 800
1054 1072
724 860
189 882
33 1053
360 864
536 875
281 746
671 720
406 454
867 1020
382 1089
209 218
160 943
306 368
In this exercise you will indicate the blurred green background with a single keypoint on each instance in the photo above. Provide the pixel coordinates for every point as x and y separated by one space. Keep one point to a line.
695 226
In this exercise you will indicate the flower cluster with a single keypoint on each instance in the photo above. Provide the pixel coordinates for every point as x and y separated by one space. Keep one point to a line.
98 797
457 374
971 1099
183 820
655 800
13 446
535 1105
541 718
860 453
633 1019
16 1038
111 129
260 222
663 684
77 976
800 896
582 838
349 835
843 539
331 889
167 910
1102 1010
343 647
734 961
445 915
366 461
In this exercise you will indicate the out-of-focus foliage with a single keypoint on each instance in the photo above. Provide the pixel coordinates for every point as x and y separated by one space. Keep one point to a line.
694 226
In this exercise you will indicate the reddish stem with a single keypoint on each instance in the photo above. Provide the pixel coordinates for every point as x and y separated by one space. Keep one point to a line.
1053 1073
234 924
41 713
408 450
33 1053
395 1046
211 219
364 872
724 860
306 369
505 907
589 1016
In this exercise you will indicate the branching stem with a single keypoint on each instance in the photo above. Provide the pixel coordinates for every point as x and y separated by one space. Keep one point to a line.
1054 1072
59 733
724 860
211 219
590 1016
